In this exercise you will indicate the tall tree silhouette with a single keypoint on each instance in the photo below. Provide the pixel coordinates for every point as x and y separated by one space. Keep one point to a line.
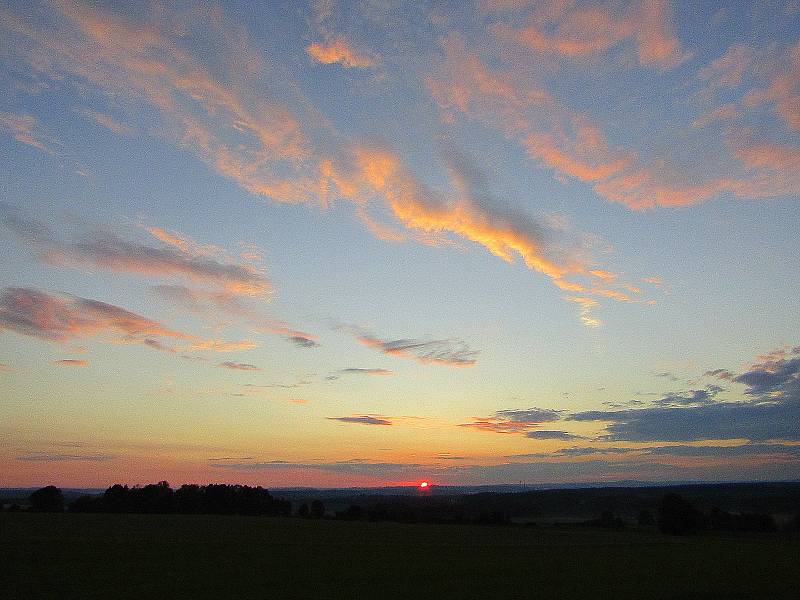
47 499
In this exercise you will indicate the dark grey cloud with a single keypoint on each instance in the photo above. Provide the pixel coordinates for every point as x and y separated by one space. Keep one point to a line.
553 435
776 378
766 450
789 451
363 419
561 469
238 366
281 386
771 413
302 341
667 375
722 420
720 373
591 450
690 398
515 420
49 457
364 371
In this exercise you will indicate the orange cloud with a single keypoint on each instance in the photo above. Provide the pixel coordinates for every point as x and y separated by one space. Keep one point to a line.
783 90
108 122
71 362
583 32
586 305
210 108
604 275
339 50
222 345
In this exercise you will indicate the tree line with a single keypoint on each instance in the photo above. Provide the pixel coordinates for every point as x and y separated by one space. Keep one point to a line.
675 516
160 498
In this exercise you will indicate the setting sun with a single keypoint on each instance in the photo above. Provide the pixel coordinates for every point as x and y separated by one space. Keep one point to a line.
423 485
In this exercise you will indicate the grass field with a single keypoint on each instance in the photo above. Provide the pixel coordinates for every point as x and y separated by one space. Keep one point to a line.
87 556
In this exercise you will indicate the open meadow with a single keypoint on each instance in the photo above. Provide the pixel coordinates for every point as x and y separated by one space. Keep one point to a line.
89 556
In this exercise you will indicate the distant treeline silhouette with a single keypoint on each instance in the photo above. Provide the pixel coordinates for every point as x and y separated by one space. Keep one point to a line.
678 517
675 514
217 499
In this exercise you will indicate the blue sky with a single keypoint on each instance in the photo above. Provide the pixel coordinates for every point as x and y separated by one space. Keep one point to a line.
377 242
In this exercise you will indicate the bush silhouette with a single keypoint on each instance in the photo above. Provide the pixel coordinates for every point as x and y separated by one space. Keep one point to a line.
47 499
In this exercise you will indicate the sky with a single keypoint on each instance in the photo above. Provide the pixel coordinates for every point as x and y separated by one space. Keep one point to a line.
379 242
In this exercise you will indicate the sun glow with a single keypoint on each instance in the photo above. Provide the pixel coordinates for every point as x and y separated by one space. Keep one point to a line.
423 485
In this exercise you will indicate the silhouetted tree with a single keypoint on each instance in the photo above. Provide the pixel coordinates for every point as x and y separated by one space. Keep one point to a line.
87 504
303 510
189 499
678 517
116 499
153 498
317 509
47 499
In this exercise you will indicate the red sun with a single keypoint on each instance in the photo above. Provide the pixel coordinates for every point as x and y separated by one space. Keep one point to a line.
423 485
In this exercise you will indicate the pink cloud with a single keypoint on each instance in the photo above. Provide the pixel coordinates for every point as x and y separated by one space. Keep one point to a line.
339 50
587 32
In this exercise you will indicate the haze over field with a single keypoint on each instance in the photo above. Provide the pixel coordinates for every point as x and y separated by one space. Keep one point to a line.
379 243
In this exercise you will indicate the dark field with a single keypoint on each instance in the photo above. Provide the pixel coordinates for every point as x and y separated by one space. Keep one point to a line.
201 556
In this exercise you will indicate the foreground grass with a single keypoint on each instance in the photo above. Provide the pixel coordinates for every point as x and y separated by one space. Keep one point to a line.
185 556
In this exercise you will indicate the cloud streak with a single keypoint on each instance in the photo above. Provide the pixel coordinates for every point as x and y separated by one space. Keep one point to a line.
514 421
451 353
363 419
178 256
71 362
339 51
238 366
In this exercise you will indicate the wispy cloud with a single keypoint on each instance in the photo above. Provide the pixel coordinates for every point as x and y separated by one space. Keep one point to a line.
585 32
514 421
27 130
561 436
62 318
49 457
108 122
364 371
32 312
339 50
449 352
364 419
71 362
238 366
178 256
